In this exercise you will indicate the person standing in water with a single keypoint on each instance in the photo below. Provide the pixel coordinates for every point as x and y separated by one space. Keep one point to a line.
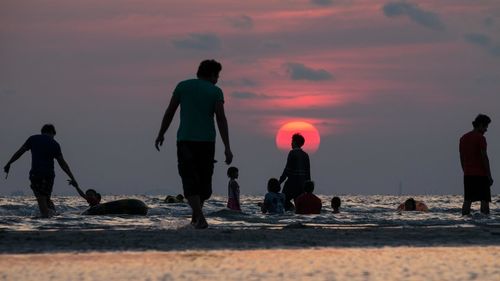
233 189
44 149
476 166
200 99
297 171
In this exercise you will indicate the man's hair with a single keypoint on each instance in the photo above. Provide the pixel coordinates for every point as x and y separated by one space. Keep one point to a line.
48 129
309 186
231 171
481 120
410 204
208 67
298 139
273 185
335 202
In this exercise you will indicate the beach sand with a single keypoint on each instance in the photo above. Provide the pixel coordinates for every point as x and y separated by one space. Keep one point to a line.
388 263
290 253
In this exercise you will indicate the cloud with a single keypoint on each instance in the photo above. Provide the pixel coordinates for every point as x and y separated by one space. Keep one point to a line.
322 2
241 22
425 18
488 22
298 71
198 41
7 92
478 39
244 82
248 95
483 41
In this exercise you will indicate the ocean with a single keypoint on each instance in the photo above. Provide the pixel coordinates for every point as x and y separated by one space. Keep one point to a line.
20 213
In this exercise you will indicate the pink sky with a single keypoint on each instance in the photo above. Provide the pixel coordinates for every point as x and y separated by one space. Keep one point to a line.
385 82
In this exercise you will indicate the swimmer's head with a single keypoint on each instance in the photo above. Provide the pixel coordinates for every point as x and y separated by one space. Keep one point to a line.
410 204
93 198
179 197
335 204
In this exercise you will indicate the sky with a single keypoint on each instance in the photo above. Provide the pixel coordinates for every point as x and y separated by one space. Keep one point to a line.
390 86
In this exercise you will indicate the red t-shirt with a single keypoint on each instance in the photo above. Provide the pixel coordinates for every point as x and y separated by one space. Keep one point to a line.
307 203
471 145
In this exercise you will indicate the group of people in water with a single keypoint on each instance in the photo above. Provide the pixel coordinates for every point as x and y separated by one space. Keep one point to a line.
200 101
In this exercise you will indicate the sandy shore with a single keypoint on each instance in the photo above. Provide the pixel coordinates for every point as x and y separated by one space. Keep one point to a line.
293 252
394 263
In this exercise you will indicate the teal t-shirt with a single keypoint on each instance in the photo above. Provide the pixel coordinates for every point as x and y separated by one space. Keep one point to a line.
197 99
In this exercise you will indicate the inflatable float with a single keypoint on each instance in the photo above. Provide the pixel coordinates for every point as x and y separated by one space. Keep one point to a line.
119 207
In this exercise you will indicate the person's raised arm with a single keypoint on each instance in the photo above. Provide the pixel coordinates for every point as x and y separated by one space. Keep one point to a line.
308 168
287 167
165 122
14 158
220 116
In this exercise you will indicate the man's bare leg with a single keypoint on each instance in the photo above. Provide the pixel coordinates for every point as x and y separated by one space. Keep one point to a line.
485 207
197 219
43 206
466 208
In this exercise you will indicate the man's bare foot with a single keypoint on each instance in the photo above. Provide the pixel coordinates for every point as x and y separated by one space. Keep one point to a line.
201 224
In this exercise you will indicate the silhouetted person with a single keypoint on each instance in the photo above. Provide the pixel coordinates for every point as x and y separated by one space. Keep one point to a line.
274 201
92 197
476 166
336 204
233 189
199 100
296 172
308 203
174 199
412 205
44 149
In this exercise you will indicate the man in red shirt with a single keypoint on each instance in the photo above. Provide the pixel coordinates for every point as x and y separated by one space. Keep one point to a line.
476 166
308 203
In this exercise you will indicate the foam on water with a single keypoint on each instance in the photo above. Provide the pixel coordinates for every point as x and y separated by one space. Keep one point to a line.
20 213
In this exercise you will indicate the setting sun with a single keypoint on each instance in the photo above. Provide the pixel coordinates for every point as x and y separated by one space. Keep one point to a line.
310 133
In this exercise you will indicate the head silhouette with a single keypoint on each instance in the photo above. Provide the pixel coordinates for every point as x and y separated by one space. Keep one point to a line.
209 70
335 203
48 129
298 140
232 172
309 186
410 204
481 123
273 185
93 198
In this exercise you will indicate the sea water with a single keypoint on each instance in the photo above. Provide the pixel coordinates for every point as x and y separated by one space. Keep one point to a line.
20 213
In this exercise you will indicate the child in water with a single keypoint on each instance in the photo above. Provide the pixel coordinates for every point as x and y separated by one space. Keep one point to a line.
308 203
297 171
274 201
412 205
233 190
91 196
336 205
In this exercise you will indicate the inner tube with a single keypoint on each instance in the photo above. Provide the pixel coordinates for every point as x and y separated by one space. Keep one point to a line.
119 207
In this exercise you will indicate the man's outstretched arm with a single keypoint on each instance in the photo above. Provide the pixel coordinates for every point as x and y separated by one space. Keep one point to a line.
14 157
65 167
165 122
220 116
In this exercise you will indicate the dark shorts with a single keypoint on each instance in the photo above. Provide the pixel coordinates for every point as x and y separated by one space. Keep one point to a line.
42 185
477 188
195 161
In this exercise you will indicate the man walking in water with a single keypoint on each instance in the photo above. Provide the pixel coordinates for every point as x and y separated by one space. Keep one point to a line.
476 166
200 100
44 149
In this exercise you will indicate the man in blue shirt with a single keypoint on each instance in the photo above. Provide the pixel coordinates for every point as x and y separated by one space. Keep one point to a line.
200 100
44 149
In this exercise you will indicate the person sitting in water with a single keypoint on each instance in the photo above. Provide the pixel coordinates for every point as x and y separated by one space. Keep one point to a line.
307 203
274 201
174 199
412 205
336 205
233 189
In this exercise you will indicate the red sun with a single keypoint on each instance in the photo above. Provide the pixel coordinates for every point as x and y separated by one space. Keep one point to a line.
308 131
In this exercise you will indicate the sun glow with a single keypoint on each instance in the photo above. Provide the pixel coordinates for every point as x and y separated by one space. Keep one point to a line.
310 133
